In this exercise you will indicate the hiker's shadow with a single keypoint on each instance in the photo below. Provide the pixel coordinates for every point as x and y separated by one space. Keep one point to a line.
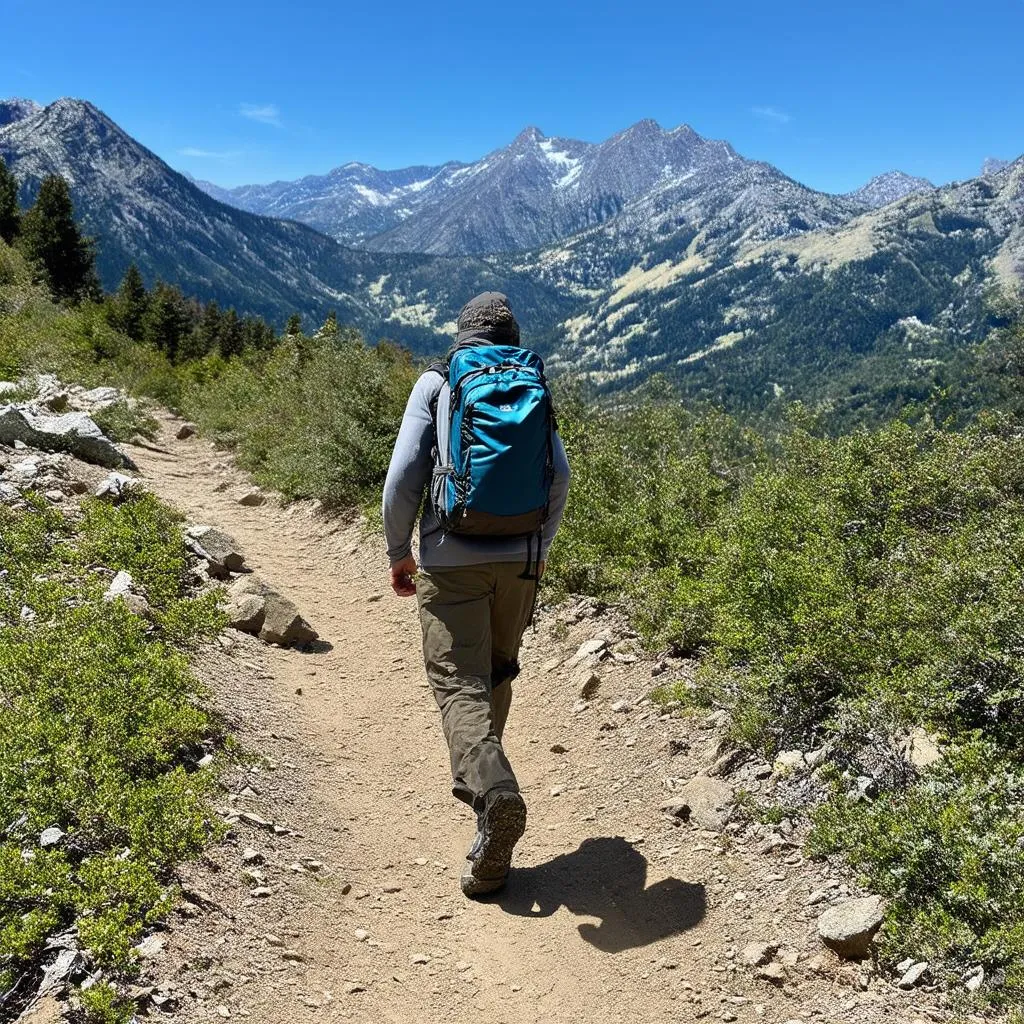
606 878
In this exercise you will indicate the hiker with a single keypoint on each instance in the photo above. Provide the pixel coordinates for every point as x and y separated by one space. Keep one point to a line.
479 429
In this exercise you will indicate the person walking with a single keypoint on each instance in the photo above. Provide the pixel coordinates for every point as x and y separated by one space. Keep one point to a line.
480 439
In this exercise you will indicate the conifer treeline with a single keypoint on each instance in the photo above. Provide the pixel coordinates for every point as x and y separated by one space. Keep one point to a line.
63 259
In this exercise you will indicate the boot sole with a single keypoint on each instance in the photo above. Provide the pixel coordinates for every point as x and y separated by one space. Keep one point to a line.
503 828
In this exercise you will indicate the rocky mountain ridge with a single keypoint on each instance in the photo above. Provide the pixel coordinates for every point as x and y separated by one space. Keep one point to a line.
534 192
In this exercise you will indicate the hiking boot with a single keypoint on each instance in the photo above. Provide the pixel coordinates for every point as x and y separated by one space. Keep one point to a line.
504 822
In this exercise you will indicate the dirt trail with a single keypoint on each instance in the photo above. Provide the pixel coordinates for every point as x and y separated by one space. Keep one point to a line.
612 913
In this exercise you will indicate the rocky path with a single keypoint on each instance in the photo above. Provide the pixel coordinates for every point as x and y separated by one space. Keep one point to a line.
337 896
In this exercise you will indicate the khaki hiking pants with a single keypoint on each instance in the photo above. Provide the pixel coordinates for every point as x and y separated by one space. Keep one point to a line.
473 618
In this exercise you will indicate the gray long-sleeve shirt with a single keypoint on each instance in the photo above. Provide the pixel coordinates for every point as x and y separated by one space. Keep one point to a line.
412 465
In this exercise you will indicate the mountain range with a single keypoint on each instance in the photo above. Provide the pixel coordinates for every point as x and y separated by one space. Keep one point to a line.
656 250
533 192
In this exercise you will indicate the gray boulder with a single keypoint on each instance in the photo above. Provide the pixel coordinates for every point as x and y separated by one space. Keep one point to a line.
849 927
72 432
219 549
256 608
704 801
117 487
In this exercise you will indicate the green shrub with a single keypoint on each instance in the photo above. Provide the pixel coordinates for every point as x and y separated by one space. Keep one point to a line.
125 419
317 419
948 853
100 708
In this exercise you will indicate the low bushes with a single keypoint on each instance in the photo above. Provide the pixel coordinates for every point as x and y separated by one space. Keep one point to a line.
101 727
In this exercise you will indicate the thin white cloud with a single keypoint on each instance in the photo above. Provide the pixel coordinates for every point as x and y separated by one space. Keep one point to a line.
207 154
771 114
265 113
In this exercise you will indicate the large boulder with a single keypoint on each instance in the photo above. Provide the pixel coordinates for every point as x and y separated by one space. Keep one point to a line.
703 801
849 927
72 432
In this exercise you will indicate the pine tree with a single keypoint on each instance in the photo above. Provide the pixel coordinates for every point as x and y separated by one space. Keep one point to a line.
294 325
10 213
330 327
130 303
209 328
62 256
231 340
167 321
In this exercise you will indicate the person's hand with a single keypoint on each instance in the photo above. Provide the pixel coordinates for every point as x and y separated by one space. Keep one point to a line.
402 573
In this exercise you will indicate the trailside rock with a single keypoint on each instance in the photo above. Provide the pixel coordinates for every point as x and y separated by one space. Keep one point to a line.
282 623
849 927
256 608
252 497
117 487
246 612
72 432
185 431
219 549
704 801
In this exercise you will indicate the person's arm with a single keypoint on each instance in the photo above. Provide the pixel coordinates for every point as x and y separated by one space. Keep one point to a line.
558 494
408 475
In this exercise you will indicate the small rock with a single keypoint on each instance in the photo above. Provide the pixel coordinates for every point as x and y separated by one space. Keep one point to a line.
294 956
120 585
975 980
588 685
52 836
185 431
352 987
419 959
849 927
789 761
757 954
361 934
55 496
913 975
588 649
557 748
622 707
261 892
219 549
252 498
251 856
551 665
273 940
703 801
774 973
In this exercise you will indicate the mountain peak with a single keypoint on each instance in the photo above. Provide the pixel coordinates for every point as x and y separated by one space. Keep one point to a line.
528 136
887 188
993 165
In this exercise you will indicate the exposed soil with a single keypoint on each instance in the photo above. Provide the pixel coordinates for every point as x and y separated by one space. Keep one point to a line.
614 911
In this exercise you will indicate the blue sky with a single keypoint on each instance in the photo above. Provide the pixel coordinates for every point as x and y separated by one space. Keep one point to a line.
249 92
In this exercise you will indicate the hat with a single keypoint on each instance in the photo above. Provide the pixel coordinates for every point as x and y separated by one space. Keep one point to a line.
488 315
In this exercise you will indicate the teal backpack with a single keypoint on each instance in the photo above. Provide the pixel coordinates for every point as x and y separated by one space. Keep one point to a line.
493 457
